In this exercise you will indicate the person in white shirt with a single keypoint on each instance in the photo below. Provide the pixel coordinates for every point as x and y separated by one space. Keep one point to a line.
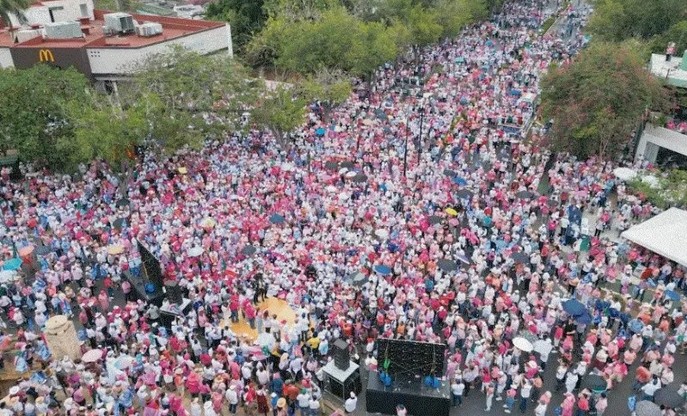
303 400
233 398
351 403
650 388
457 388
314 406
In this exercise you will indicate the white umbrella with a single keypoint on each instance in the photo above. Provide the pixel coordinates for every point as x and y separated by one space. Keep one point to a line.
195 251
652 181
124 362
265 340
208 222
542 347
522 344
92 356
331 188
624 174
381 233
7 275
351 174
343 170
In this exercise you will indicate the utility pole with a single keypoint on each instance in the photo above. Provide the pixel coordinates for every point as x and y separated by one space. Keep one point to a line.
421 110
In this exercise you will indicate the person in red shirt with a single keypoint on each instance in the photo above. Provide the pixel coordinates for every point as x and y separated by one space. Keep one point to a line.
234 307
583 403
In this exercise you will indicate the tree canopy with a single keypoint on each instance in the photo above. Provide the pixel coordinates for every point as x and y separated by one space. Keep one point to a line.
598 99
659 21
33 118
336 40
355 36
12 7
246 17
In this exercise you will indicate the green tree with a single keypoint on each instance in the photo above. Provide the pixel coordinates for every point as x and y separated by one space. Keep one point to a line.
329 87
295 10
454 15
373 45
280 111
191 86
618 20
12 7
336 41
246 17
596 101
33 119
103 129
676 33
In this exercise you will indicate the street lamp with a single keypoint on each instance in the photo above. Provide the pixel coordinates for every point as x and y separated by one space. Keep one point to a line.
421 110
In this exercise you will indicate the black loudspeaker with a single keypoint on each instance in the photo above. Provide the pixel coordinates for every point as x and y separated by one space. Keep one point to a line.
150 267
412 358
342 357
173 291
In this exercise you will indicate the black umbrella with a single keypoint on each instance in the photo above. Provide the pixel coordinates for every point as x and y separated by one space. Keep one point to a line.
647 408
525 194
449 172
347 164
123 202
520 258
669 397
249 250
435 219
331 165
118 223
464 193
595 383
359 178
447 265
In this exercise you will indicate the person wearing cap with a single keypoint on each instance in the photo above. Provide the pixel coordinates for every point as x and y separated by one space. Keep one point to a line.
281 407
303 401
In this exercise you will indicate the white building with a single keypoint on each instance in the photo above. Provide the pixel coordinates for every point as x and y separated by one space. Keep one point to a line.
656 140
102 45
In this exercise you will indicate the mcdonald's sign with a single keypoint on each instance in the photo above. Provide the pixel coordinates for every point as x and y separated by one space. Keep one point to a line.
45 55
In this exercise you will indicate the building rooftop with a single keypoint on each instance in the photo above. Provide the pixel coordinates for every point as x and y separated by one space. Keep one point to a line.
94 37
674 72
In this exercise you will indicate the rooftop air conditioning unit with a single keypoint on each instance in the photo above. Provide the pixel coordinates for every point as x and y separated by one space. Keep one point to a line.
149 29
119 22
63 30
26 34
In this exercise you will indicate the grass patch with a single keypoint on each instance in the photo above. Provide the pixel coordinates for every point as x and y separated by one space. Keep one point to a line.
548 23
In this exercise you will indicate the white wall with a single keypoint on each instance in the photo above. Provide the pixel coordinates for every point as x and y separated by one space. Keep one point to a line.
6 58
119 61
662 137
40 14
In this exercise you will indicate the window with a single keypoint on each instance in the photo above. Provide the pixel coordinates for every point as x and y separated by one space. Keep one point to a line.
54 9
84 9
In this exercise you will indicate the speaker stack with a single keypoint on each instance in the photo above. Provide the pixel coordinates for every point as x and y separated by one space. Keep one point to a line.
342 358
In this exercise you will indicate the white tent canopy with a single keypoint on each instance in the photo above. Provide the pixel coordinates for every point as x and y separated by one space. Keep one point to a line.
664 234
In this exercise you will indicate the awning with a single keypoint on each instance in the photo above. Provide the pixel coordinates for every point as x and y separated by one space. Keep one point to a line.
665 234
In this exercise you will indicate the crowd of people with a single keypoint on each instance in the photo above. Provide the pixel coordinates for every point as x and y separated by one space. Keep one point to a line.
428 165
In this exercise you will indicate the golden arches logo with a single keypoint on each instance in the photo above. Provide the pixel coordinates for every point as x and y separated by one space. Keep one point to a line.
45 55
